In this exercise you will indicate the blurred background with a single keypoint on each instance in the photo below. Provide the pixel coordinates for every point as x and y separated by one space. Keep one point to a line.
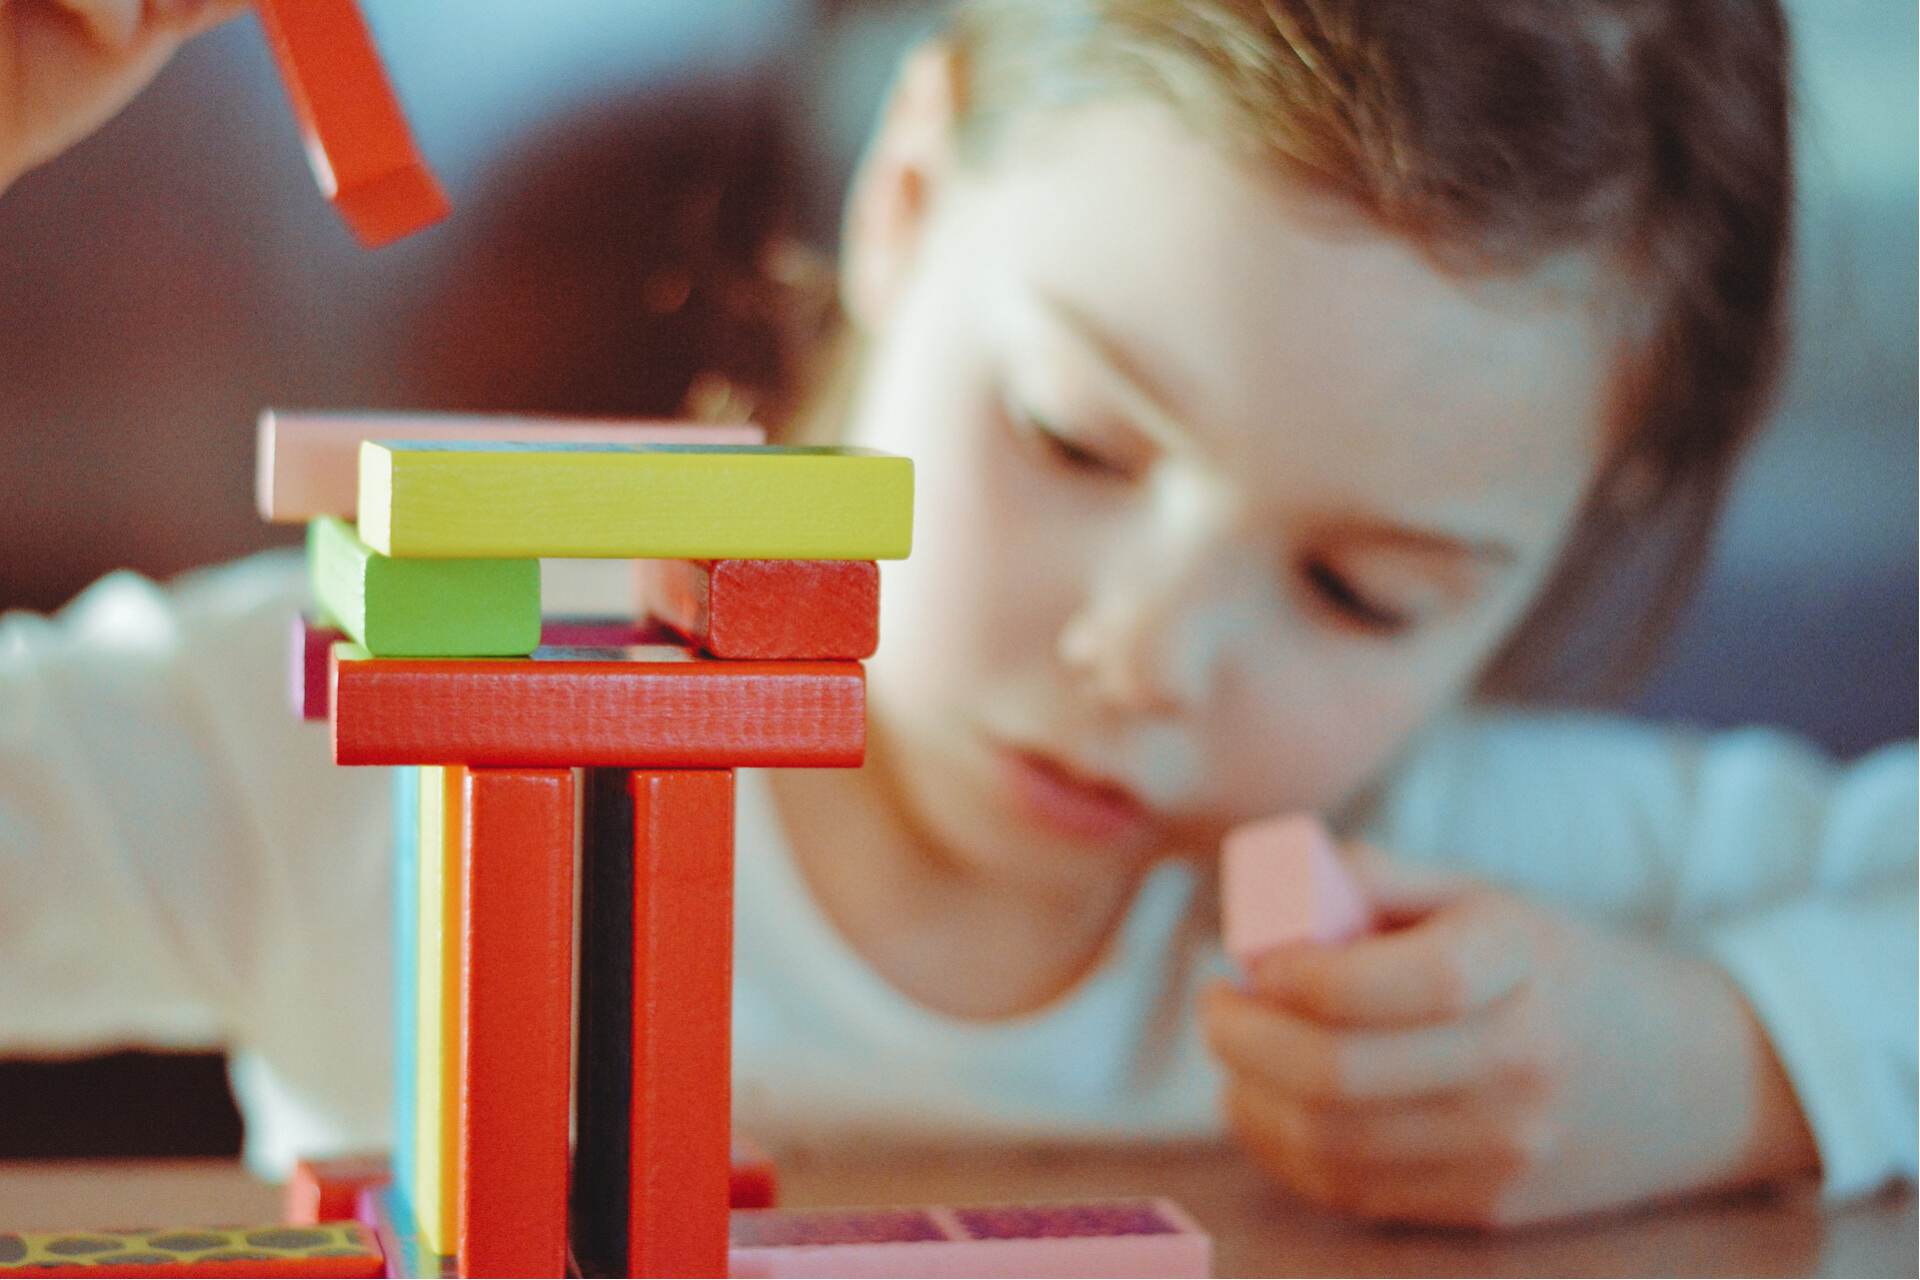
614 168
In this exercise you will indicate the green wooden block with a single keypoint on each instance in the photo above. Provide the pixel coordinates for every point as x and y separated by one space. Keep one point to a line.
423 608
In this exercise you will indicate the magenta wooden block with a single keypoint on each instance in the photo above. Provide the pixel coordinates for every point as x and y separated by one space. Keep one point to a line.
1282 882
307 668
1079 1238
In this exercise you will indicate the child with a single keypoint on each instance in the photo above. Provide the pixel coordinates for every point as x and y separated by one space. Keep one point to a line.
1277 372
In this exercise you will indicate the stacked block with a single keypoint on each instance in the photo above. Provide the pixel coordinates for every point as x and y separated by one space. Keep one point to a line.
446 672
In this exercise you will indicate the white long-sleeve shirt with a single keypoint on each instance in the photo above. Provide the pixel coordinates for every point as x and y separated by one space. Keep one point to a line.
181 864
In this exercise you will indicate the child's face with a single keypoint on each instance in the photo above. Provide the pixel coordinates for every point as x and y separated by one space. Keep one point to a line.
1221 493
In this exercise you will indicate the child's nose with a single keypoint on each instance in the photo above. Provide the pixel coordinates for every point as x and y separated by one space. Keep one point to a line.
1157 634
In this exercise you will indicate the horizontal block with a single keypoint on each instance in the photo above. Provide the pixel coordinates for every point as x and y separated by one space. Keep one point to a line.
325 1249
769 609
328 1190
308 464
1089 1238
658 502
1281 882
645 707
357 139
307 665
423 608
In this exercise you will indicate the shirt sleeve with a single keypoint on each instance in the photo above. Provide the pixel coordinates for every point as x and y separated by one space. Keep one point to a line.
1795 873
144 751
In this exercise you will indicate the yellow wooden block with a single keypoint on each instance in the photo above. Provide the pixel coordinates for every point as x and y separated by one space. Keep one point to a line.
680 502
437 1101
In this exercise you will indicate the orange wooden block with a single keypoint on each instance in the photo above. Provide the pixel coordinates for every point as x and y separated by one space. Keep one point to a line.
680 1159
344 1249
768 608
517 998
357 139
632 708
329 1190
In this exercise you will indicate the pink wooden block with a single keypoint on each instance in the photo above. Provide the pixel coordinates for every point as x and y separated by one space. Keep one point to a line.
1282 882
1085 1238
307 666
308 464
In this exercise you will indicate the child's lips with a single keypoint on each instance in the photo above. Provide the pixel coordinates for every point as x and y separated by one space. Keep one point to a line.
1075 804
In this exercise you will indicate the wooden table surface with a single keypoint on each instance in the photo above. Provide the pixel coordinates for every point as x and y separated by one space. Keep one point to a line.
1255 1232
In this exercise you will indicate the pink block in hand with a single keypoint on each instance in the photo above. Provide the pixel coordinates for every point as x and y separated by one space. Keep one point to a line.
1084 1238
1282 882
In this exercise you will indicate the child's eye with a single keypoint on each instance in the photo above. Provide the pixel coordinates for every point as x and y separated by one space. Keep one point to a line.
1068 453
1337 591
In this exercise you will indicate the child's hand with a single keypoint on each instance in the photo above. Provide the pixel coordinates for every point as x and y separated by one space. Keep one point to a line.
67 65
1486 1062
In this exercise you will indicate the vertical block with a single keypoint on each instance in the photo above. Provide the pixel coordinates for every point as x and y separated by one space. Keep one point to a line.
768 608
423 608
363 156
679 1165
384 1211
517 994
406 976
1281 882
653 1171
328 1190
604 1064
436 1150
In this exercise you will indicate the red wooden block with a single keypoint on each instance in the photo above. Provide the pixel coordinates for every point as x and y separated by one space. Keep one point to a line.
680 1165
756 1183
635 708
362 154
768 608
329 1190
517 1000
312 642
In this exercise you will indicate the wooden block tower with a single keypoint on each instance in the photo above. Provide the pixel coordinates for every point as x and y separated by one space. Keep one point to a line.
767 558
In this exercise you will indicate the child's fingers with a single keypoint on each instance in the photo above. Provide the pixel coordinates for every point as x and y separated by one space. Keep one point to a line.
1483 1126
1464 957
1309 1060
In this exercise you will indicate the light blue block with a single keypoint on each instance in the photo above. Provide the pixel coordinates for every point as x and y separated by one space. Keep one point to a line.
406 967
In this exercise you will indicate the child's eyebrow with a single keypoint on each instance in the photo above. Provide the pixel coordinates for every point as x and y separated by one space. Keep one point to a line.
1148 403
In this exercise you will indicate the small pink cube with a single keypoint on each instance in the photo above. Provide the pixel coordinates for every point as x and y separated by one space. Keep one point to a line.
1281 882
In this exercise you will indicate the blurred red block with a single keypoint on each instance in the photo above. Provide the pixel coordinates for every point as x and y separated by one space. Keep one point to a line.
357 139
329 1190
755 1182
768 608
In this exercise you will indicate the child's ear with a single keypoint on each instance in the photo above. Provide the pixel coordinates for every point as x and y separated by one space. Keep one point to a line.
909 155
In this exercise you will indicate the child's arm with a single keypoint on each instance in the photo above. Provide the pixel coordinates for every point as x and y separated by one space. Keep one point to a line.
1496 1060
66 66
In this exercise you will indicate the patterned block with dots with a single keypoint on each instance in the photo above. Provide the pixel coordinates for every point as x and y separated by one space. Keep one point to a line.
324 1249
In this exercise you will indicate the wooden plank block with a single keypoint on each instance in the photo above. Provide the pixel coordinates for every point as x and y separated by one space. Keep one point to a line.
1085 1238
755 1182
679 1162
768 609
1281 882
518 1024
308 464
642 707
307 665
603 1065
407 827
324 1249
327 1190
363 156
666 502
423 608
435 1193
384 1211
